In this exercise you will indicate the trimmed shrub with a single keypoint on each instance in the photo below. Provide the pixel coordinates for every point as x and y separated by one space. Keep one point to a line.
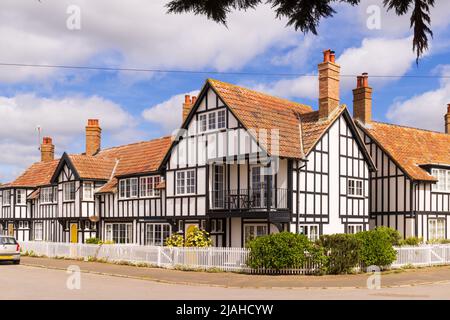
283 251
376 248
196 237
342 251
93 241
411 241
393 234
175 240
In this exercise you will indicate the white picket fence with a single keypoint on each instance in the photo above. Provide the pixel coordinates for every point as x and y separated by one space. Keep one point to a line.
225 259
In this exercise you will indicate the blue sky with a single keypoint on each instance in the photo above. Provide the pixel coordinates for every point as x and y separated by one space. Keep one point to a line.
139 106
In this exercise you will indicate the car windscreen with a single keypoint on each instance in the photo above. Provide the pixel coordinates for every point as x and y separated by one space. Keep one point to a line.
6 240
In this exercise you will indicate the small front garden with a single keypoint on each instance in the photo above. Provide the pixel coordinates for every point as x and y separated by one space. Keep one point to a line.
331 254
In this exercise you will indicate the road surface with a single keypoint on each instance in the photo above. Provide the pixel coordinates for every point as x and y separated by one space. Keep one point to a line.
26 282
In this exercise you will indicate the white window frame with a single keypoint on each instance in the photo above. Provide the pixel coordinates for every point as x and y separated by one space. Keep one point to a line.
355 228
6 197
157 233
436 228
68 192
222 119
128 188
110 232
212 120
443 183
38 232
21 196
148 186
202 123
47 195
255 227
307 230
88 191
353 190
185 182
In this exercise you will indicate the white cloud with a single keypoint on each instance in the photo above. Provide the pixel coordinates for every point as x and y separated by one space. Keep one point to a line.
425 110
64 119
380 57
301 87
138 34
167 114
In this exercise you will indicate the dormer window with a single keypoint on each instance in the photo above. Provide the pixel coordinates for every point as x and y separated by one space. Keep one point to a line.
128 188
443 177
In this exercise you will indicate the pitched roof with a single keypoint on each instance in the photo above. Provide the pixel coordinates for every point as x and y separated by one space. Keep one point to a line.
92 167
38 174
141 157
410 147
299 126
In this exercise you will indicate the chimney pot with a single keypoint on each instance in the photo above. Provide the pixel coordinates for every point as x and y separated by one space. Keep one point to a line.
47 150
332 56
187 99
326 55
194 99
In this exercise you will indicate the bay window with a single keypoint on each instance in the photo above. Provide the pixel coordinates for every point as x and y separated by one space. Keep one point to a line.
148 186
157 233
121 233
47 195
128 188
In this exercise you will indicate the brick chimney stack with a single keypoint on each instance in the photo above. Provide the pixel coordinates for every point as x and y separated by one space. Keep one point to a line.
93 137
329 73
362 100
47 150
187 105
447 120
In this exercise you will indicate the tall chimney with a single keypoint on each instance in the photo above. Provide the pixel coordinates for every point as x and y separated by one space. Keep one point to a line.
362 100
47 150
328 85
93 137
187 105
447 120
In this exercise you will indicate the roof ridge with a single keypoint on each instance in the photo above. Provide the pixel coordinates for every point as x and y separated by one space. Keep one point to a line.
259 92
409 127
132 144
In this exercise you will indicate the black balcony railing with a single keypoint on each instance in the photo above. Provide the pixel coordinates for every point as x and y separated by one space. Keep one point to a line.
249 199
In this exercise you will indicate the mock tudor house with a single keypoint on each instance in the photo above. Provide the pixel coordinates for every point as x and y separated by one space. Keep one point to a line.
410 191
243 164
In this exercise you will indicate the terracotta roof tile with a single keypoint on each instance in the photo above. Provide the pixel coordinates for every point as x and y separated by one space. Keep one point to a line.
37 174
411 147
258 111
92 167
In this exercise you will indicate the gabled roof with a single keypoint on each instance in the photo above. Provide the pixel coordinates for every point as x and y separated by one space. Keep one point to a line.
141 157
259 111
411 148
38 174
93 167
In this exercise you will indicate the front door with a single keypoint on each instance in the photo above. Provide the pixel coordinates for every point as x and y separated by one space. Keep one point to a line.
11 229
73 233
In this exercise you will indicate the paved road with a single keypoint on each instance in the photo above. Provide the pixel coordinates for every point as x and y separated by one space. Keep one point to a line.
25 282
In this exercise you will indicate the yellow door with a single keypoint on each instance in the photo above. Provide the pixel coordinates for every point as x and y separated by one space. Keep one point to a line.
73 233
11 230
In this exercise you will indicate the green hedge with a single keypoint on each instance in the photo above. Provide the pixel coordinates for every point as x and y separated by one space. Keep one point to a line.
342 251
376 247
282 251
